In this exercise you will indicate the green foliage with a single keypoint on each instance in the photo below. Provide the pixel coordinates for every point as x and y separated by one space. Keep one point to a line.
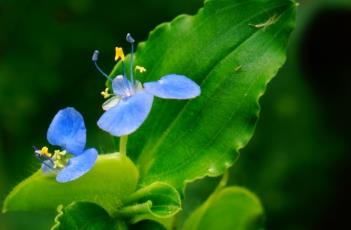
233 60
156 201
232 48
112 179
231 208
293 170
84 216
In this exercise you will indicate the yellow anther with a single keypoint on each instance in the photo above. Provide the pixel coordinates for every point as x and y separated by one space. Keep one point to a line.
105 93
59 159
141 69
119 54
58 154
58 164
45 151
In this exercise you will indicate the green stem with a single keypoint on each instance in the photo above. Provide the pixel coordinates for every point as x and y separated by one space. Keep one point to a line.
223 181
123 145
134 197
133 210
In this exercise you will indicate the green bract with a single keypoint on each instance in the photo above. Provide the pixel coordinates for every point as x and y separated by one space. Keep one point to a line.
112 179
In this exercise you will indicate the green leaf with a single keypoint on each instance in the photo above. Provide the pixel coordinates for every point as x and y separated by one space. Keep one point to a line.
232 48
292 172
231 208
112 179
156 201
83 215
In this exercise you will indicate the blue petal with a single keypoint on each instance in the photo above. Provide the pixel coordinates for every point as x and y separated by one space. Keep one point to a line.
121 86
173 86
67 130
78 166
127 116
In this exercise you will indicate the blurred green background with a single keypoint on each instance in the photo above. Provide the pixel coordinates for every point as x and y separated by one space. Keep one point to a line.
298 160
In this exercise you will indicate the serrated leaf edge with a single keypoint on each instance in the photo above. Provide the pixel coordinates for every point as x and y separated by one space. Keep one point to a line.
57 218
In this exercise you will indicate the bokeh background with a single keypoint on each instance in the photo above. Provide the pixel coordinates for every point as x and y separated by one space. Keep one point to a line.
299 159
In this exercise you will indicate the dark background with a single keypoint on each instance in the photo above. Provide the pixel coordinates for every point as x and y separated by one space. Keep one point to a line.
298 160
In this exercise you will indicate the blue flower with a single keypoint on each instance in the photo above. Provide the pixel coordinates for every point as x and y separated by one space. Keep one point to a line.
67 130
131 101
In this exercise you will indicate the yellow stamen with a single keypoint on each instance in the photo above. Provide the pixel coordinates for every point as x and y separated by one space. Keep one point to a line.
59 160
45 151
105 93
58 154
119 54
58 164
141 69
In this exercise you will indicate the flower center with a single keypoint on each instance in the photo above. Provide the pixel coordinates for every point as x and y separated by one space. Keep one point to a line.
54 161
130 86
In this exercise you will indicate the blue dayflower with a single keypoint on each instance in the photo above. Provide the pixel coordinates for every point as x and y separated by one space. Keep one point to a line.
67 130
129 105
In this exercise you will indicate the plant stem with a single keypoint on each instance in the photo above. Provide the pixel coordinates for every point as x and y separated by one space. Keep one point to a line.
133 210
223 182
123 145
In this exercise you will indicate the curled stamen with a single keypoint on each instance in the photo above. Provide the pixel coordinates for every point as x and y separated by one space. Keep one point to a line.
95 58
131 40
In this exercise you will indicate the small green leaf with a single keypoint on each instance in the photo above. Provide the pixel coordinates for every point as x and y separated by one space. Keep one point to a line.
85 216
158 200
231 208
232 48
112 179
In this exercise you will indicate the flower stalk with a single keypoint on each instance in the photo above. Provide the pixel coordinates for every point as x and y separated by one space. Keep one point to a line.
123 145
